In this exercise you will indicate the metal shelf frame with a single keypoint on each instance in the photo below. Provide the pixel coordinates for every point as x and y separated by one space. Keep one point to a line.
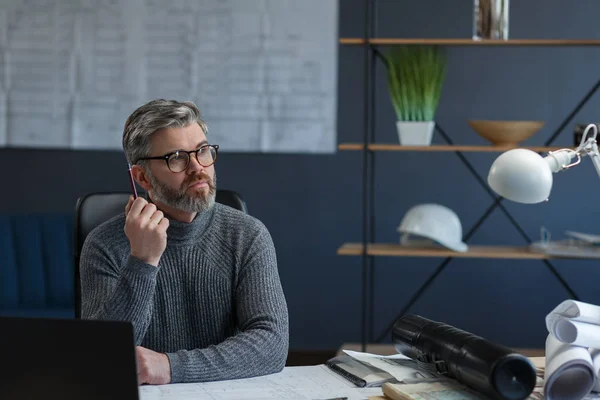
370 44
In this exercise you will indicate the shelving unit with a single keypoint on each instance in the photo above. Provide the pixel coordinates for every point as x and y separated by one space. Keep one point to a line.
369 248
397 250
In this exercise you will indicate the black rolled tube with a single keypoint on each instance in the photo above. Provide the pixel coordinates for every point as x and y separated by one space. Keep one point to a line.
489 368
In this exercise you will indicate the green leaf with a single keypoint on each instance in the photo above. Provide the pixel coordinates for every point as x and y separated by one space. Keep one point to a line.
415 77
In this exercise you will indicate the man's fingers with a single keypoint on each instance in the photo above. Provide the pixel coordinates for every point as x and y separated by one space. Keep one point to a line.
156 217
148 211
164 224
137 206
128 205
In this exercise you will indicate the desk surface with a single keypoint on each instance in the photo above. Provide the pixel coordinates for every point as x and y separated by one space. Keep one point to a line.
293 383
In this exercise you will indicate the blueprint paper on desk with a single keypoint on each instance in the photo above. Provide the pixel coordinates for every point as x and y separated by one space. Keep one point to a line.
401 367
293 383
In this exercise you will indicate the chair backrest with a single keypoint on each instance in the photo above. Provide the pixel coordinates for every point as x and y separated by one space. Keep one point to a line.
95 208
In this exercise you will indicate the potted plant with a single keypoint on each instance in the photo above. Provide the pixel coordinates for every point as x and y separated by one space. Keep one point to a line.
415 76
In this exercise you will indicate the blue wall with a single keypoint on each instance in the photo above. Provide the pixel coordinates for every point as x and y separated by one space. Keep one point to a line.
312 203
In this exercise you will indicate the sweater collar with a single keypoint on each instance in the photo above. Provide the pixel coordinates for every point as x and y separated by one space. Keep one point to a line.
184 232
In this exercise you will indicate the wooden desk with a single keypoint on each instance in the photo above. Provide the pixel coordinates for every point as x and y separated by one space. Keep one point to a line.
388 349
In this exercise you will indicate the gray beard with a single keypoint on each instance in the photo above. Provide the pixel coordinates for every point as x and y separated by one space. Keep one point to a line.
180 200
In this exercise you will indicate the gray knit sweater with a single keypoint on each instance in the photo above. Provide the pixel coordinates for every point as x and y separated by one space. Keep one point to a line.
214 304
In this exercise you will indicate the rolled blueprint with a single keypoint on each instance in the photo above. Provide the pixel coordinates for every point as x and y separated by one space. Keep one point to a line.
573 310
569 371
576 323
576 333
595 354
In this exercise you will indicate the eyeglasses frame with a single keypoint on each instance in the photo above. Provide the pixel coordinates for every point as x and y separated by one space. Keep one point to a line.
166 157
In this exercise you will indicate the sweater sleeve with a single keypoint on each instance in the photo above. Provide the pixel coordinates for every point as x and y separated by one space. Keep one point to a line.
261 345
110 291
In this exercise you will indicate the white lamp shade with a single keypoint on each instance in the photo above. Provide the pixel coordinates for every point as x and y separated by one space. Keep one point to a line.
521 175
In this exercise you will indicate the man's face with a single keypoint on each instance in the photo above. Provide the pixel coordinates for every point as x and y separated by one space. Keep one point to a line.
192 190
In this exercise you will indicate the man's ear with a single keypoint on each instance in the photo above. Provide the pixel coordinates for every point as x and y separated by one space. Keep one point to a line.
140 176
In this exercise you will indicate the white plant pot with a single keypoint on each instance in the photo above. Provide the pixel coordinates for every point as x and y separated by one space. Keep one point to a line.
415 133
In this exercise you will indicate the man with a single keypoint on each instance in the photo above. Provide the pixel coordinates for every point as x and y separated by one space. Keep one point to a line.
198 280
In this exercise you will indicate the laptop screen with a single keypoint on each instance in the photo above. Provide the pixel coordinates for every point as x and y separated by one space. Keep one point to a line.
44 358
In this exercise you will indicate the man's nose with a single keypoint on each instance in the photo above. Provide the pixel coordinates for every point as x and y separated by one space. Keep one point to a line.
194 163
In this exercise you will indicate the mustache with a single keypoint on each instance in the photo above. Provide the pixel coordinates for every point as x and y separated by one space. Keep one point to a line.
199 177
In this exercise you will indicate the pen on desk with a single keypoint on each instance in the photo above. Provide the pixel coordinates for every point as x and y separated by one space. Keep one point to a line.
337 398
135 195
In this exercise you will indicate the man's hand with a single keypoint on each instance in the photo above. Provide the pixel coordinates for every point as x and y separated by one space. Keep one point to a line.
153 368
146 229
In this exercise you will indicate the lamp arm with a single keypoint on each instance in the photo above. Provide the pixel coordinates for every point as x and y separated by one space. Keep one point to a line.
591 150
589 147
561 159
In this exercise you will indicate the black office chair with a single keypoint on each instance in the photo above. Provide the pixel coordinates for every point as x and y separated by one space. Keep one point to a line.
95 208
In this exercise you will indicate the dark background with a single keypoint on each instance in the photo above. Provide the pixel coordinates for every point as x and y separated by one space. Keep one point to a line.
312 203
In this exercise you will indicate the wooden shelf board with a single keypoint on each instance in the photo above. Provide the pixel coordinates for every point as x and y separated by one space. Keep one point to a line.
471 42
352 41
398 147
350 146
395 249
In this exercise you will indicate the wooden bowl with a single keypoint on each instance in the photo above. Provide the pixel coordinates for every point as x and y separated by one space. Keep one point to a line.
506 133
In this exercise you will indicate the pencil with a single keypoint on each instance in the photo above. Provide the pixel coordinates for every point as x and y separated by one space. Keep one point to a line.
132 182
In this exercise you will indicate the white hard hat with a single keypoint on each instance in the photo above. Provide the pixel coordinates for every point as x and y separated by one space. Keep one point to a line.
435 222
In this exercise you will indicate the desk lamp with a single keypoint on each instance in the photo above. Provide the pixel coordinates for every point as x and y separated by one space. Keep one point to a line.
524 176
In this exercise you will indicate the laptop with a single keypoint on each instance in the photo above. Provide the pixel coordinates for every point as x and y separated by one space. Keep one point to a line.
68 359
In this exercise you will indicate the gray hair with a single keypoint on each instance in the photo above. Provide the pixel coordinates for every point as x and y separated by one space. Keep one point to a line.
153 116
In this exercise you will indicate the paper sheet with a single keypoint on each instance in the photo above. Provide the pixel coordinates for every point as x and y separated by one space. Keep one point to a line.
595 354
577 333
264 79
399 366
576 323
37 60
3 120
578 311
293 383
448 390
569 371
98 122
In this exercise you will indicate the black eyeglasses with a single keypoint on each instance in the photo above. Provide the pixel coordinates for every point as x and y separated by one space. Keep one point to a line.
179 160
